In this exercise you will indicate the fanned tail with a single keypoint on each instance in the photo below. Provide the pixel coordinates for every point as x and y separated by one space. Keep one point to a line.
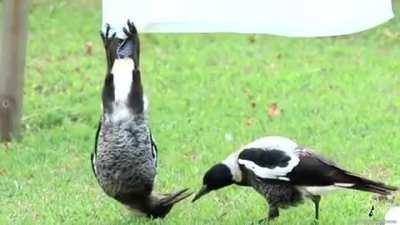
155 206
162 206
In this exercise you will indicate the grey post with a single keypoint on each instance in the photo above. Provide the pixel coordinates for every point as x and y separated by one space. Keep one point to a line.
12 65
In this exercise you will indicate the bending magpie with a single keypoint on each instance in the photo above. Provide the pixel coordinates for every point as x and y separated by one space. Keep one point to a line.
284 173
125 156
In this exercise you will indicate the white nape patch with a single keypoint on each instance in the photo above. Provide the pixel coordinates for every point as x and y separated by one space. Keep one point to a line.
278 173
316 190
122 71
344 184
232 163
273 142
121 112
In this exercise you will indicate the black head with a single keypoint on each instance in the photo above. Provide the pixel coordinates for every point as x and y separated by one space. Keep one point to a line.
215 178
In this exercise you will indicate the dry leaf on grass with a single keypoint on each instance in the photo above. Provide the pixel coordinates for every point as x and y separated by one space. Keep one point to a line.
274 110
89 48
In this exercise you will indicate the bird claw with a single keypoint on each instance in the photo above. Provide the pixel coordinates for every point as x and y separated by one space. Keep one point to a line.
107 42
131 31
106 36
264 221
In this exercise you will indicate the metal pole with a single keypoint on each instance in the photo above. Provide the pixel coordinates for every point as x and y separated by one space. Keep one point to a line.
12 65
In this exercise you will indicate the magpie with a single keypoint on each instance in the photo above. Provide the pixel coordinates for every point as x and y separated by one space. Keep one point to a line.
284 173
124 160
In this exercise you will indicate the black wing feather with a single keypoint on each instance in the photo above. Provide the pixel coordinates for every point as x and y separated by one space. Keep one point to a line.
95 147
314 170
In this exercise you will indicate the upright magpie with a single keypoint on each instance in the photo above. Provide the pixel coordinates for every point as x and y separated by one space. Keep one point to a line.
124 160
284 173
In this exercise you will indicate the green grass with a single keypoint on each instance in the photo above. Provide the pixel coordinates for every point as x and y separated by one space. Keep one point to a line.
338 95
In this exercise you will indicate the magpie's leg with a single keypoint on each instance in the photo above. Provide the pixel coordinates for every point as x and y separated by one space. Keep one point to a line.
273 212
107 42
316 199
263 221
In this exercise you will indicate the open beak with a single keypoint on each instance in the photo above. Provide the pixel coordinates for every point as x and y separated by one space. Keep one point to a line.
204 190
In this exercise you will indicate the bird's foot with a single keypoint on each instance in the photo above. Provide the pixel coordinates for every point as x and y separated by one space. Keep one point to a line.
106 37
264 221
131 31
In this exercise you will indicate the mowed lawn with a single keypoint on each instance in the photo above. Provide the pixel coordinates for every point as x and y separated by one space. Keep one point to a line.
209 94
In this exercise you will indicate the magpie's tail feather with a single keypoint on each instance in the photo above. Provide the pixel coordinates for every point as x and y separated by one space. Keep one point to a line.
153 206
363 184
161 206
130 47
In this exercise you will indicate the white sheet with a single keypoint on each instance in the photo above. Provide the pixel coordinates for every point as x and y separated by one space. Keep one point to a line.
294 18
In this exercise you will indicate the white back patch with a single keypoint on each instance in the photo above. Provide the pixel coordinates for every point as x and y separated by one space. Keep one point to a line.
122 71
273 142
277 143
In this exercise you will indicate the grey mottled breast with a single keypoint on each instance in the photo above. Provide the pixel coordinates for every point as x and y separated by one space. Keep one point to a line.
278 193
124 161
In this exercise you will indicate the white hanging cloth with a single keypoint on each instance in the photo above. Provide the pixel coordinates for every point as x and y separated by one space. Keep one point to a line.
293 18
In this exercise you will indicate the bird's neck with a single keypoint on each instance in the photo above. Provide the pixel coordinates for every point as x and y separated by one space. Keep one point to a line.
231 163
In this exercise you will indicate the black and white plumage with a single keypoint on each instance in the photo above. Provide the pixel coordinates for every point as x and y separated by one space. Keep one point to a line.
125 157
284 173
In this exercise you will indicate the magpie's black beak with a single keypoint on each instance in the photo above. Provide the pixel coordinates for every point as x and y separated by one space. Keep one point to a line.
204 190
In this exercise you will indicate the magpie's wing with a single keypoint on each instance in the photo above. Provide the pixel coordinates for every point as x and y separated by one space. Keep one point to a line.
305 168
154 149
270 164
315 170
94 154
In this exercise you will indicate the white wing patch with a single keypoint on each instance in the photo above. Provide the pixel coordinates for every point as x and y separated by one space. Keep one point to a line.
274 173
315 190
344 184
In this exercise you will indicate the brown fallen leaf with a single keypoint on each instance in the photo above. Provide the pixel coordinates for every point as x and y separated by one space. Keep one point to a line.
273 110
2 172
89 48
391 34
249 121
247 92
